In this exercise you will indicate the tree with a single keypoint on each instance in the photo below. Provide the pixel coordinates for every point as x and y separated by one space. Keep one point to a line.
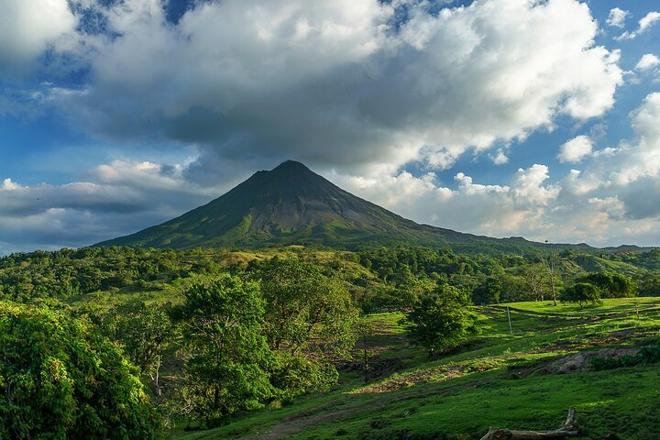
489 291
146 333
61 379
441 319
582 293
227 355
612 285
309 322
537 280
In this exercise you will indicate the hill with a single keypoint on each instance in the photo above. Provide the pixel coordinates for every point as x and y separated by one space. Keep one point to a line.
290 204
523 379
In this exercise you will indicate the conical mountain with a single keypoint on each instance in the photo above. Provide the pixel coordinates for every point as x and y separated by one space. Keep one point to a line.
291 204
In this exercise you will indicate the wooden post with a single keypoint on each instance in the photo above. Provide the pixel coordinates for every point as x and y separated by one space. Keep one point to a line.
508 314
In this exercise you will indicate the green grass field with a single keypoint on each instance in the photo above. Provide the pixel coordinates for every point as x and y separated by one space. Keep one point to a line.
501 378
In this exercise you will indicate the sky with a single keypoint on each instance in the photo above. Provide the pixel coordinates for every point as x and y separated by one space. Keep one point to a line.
533 118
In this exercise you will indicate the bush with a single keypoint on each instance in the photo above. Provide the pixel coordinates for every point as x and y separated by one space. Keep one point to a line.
582 293
62 380
441 319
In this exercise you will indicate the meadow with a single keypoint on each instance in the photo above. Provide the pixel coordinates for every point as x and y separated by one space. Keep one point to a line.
500 378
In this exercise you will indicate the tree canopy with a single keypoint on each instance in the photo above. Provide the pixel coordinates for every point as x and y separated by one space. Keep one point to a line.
63 380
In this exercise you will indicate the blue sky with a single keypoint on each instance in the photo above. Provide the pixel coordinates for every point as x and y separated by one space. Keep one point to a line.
496 117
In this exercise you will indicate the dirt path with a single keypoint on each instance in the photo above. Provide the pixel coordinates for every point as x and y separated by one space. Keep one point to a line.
295 424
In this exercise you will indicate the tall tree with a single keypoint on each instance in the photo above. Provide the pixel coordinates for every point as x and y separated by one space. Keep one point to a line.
309 321
441 319
227 356
61 379
146 333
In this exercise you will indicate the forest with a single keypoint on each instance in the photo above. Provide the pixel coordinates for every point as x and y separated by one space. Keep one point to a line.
120 342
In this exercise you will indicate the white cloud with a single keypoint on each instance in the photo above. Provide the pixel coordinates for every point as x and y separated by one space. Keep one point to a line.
528 186
645 23
121 197
647 62
27 28
331 84
648 20
576 149
617 17
615 199
500 158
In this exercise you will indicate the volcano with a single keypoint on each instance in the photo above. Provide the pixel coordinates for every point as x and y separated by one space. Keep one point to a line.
291 204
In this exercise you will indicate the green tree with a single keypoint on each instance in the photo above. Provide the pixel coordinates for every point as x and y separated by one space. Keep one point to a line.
309 322
581 293
489 291
537 280
61 379
227 356
441 319
612 285
146 334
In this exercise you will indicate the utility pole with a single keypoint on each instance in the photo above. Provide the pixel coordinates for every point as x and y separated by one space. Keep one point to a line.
508 314
552 278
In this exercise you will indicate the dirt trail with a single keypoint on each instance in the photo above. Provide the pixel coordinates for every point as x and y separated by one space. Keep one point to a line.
297 423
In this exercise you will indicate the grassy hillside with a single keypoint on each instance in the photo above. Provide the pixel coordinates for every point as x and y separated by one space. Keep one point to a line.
498 379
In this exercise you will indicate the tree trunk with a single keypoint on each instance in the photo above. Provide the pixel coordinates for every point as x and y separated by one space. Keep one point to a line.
569 429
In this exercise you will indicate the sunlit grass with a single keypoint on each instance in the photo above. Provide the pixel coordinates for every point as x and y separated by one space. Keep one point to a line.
491 381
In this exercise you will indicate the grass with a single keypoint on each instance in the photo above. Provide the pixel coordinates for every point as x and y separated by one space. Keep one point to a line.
497 379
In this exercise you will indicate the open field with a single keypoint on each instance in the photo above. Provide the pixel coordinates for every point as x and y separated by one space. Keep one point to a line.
499 379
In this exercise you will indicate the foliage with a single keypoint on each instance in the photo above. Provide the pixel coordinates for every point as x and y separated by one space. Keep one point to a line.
146 334
227 354
62 380
441 319
309 322
489 291
71 272
611 285
582 293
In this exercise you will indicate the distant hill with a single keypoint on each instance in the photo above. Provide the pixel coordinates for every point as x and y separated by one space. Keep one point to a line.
291 204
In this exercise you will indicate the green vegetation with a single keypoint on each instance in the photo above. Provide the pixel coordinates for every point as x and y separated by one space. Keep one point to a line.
227 357
582 293
294 342
440 320
60 379
499 379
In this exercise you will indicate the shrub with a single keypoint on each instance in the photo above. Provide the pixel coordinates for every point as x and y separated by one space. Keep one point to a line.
582 293
62 380
441 319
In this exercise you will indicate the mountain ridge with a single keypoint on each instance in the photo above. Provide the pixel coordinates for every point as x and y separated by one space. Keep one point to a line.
291 204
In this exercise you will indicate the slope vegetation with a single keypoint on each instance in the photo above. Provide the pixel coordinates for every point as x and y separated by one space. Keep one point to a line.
525 379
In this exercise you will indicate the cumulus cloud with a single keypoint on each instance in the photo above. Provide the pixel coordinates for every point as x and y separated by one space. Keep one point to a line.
120 197
617 17
335 84
648 61
615 199
500 158
28 28
574 150
644 24
345 86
